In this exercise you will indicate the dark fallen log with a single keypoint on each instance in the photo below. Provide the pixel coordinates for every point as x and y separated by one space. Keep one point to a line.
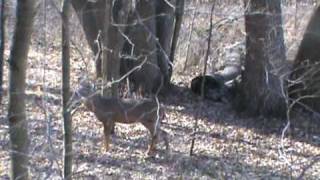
218 86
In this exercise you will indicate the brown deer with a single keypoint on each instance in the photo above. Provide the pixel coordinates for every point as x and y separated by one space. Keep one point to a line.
111 110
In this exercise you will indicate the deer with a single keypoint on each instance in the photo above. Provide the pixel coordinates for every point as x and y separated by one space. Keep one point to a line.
111 110
147 80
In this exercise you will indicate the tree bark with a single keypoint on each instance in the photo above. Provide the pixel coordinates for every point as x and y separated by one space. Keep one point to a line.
25 12
67 123
2 44
260 90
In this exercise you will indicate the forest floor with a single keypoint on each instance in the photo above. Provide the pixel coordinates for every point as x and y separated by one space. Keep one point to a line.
227 146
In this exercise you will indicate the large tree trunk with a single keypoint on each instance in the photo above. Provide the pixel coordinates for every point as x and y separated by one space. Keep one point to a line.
261 87
67 123
25 12
2 44
305 77
91 16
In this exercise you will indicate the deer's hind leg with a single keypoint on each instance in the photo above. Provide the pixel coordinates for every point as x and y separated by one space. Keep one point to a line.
164 137
154 137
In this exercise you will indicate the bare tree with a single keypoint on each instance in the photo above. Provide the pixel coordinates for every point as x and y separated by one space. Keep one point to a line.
66 89
260 90
25 12
2 44
305 77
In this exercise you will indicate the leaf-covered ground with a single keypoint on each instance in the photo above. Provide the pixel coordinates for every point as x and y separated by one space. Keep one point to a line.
227 146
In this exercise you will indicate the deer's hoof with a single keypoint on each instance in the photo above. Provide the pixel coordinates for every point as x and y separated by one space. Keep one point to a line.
106 148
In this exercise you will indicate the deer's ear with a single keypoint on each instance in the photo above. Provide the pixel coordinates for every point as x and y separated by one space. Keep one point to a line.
82 79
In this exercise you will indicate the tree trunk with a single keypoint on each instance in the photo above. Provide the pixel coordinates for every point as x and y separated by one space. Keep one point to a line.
67 123
25 12
305 77
165 22
2 44
116 13
260 90
177 26
91 16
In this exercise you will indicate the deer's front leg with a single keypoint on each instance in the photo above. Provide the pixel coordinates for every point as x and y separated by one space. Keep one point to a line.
107 129
152 148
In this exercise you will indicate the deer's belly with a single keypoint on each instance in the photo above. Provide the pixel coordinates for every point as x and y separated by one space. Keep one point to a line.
128 119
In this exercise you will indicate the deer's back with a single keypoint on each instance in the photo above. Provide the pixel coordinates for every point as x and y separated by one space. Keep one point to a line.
124 110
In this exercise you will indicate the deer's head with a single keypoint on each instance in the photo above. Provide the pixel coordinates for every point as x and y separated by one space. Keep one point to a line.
84 90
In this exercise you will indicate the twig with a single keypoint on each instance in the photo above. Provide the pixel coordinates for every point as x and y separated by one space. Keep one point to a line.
195 128
189 40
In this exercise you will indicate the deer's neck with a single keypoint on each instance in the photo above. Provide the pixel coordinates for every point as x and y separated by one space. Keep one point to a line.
97 102
90 103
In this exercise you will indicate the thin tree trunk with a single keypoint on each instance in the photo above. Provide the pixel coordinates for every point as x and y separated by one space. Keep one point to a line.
2 44
177 26
25 12
67 123
108 53
116 13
